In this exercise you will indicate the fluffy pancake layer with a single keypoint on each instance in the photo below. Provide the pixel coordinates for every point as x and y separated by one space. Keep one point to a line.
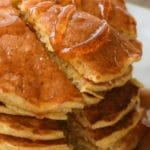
106 136
29 80
84 61
31 128
131 140
92 92
102 138
18 111
117 103
13 143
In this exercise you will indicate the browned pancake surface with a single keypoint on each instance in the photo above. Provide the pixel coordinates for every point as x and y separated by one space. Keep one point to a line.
124 123
97 51
114 102
25 68
114 11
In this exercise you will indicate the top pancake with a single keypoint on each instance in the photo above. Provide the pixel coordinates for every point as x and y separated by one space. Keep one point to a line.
96 50
114 11
29 80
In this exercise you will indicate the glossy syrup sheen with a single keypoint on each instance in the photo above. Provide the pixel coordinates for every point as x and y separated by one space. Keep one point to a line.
91 45
115 12
61 24
59 36
25 68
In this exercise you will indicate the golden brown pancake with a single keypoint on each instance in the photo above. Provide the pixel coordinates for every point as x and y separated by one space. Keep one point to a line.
94 56
11 3
120 3
85 72
103 138
131 140
29 80
97 51
14 143
114 11
92 92
31 3
116 104
31 128
18 111
136 43
87 86
144 143
5 110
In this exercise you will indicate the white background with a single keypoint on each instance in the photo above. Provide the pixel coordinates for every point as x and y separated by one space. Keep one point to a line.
142 68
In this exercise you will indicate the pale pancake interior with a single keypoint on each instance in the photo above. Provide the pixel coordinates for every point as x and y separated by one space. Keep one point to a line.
13 143
31 128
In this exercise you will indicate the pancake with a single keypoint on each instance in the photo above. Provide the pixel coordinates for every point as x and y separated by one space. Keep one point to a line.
131 140
110 135
83 72
29 79
136 43
120 3
13 143
17 111
5 110
102 138
117 103
31 128
114 11
9 2
92 92
100 62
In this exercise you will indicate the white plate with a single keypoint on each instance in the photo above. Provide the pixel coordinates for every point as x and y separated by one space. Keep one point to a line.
142 68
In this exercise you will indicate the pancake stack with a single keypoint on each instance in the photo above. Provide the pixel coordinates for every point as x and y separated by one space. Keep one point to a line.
66 75
35 95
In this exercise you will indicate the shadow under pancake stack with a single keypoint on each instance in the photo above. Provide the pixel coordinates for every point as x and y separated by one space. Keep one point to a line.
66 76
